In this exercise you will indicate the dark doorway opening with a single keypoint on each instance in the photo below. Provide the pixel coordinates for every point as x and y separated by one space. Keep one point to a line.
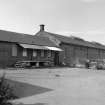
56 58
30 53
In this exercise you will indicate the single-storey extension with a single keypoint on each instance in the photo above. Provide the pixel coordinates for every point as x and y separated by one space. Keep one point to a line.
22 47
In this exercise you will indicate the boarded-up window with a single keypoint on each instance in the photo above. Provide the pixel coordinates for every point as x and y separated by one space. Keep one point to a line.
14 50
24 52
34 53
42 53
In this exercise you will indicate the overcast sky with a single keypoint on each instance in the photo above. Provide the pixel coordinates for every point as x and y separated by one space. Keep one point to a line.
82 18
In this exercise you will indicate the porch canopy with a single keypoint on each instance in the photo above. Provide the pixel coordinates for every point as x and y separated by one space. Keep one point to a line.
28 46
54 48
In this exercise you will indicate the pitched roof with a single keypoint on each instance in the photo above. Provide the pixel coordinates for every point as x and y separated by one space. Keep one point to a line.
70 40
24 38
98 45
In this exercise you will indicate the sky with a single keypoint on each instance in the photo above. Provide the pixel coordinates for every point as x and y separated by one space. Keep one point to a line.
81 18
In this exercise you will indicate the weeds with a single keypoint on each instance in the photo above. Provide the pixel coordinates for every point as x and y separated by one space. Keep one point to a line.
6 92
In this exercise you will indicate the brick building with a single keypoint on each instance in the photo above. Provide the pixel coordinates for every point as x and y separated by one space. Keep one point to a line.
75 50
22 47
47 48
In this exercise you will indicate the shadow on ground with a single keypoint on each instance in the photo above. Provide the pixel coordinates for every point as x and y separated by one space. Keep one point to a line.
21 89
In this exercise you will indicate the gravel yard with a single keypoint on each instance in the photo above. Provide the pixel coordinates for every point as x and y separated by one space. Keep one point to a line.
68 86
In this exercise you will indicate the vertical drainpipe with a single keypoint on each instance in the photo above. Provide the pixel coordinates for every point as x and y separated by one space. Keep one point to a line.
87 53
74 55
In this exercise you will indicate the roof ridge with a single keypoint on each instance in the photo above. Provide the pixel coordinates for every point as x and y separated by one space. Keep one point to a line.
57 34
69 40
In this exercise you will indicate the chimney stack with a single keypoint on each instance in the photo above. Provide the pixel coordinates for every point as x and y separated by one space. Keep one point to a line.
42 27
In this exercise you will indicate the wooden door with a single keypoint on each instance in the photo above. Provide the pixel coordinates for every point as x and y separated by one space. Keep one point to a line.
56 58
30 54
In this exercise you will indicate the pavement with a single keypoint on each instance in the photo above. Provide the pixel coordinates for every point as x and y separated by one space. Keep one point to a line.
59 86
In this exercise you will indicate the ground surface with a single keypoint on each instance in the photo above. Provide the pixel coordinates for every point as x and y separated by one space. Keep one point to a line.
61 86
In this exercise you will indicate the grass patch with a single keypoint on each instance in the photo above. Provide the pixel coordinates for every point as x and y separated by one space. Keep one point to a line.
24 89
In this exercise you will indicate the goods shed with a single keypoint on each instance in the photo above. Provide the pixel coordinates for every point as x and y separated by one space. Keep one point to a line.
75 50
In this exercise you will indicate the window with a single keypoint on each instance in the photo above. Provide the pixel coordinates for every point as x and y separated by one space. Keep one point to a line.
24 52
34 53
14 50
49 53
42 53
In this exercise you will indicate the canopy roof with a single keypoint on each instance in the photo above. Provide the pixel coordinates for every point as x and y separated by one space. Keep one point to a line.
27 46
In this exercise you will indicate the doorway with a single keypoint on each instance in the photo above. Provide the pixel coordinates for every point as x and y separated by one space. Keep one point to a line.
56 59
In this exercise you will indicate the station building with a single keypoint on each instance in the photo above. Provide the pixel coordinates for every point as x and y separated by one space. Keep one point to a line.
22 47
46 48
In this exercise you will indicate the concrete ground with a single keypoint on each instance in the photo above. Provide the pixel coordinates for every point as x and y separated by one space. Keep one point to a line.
67 86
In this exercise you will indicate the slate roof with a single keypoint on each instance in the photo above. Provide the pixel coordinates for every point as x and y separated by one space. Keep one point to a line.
25 38
70 40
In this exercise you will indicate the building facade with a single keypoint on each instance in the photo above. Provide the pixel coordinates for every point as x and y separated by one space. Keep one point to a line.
47 48
75 50
16 47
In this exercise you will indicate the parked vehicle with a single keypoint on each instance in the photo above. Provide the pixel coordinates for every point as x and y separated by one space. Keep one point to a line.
93 65
100 65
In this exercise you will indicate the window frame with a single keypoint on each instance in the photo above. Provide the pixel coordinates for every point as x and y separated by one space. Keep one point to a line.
49 53
34 53
14 50
24 53
42 54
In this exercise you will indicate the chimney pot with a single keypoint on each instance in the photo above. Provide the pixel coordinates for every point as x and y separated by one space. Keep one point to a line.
42 27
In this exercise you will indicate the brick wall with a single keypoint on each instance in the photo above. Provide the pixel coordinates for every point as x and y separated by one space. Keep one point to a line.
6 58
74 54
